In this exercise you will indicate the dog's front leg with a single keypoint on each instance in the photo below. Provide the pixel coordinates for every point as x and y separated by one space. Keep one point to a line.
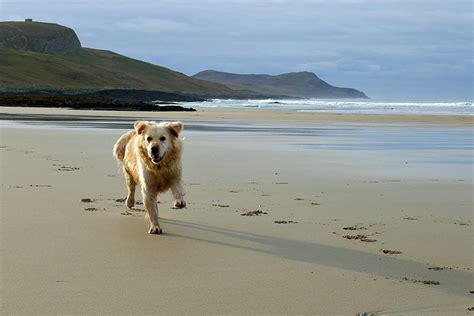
178 194
151 208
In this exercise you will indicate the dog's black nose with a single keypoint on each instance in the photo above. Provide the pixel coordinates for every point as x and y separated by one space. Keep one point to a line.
155 150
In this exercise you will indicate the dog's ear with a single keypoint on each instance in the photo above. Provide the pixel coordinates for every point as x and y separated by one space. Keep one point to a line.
175 128
140 126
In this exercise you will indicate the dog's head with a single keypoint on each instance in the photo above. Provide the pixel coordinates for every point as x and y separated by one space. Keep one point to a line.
157 138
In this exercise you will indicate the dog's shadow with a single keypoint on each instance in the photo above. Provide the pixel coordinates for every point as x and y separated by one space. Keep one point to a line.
452 281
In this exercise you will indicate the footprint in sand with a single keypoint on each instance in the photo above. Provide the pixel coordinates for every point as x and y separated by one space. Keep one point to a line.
354 227
368 313
132 212
254 213
439 268
390 252
285 222
462 223
220 205
427 282
361 237
67 168
92 209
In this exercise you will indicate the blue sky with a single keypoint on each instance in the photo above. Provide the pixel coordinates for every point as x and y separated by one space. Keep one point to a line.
397 50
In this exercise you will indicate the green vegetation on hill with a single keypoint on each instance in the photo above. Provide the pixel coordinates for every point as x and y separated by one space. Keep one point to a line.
27 60
86 68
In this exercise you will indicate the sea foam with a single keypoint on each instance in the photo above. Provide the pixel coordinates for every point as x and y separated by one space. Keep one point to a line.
347 106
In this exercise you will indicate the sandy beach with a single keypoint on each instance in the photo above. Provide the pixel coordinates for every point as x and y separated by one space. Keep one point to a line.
288 213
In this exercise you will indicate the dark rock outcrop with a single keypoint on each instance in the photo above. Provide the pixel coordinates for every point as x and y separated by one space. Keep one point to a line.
85 103
142 95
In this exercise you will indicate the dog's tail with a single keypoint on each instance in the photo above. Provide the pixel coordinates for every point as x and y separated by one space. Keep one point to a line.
121 144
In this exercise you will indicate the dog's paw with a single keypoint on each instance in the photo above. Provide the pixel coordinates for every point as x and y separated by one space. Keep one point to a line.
155 230
130 202
179 204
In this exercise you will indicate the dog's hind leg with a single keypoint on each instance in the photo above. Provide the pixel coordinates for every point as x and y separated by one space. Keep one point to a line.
131 184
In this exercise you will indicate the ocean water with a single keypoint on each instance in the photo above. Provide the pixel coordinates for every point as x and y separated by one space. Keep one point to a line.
346 106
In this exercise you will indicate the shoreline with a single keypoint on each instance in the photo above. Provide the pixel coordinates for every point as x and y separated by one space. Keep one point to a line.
258 115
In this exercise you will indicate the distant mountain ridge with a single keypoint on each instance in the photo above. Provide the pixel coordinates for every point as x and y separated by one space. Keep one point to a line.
295 84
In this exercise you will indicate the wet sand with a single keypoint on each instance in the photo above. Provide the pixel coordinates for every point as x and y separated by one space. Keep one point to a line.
285 215
254 114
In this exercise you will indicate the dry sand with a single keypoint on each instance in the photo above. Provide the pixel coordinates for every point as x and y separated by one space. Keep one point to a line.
61 255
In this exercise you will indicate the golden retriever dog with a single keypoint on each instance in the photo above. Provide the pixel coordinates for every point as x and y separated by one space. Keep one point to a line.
150 155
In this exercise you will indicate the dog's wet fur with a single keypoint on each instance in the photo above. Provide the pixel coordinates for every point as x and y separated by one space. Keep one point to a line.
150 155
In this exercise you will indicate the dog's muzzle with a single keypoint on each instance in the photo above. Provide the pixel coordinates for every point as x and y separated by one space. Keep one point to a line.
155 155
156 159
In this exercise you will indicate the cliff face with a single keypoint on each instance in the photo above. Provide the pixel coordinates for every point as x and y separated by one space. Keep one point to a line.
296 84
39 37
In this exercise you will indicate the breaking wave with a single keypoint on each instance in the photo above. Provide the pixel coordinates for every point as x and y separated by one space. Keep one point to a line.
347 106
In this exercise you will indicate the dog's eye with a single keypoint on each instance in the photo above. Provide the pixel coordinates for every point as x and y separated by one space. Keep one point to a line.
149 139
162 138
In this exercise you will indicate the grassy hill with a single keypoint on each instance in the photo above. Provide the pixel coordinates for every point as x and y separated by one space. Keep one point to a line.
86 68
45 55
